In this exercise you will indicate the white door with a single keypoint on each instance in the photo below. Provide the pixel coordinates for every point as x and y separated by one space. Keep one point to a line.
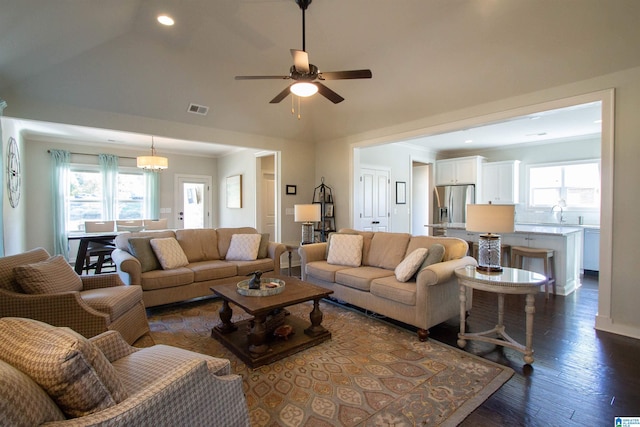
193 204
268 205
374 188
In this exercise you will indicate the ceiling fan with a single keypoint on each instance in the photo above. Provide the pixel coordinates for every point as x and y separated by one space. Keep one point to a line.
306 75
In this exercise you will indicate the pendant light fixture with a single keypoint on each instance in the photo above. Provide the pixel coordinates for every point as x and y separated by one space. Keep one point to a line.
152 162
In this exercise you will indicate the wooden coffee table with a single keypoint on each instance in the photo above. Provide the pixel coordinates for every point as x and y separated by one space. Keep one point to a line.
249 339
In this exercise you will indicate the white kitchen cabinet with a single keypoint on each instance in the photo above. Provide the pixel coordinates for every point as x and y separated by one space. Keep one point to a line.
462 170
567 256
501 182
591 259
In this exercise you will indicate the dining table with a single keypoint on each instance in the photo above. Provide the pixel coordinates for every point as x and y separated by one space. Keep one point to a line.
102 237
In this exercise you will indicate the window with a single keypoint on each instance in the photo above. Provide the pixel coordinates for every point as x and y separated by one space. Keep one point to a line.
575 183
85 196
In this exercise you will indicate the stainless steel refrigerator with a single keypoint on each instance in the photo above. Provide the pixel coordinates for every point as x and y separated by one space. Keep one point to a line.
450 203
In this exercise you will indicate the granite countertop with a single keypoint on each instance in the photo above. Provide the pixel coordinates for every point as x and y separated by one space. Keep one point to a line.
551 229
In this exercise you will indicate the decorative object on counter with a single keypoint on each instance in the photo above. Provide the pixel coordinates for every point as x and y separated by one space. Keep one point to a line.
307 215
490 219
267 287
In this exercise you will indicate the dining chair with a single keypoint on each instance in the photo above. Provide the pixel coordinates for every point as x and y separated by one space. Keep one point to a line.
100 251
155 224
129 225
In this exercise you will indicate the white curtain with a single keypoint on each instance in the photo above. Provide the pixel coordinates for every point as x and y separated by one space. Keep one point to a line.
60 161
109 171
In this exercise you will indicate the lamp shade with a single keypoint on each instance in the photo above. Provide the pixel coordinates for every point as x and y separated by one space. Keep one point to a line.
306 213
152 162
490 218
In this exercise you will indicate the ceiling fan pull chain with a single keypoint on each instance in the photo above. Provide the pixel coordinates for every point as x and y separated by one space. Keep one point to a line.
293 110
298 108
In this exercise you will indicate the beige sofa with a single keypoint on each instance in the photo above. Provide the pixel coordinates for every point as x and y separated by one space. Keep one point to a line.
53 376
427 299
205 250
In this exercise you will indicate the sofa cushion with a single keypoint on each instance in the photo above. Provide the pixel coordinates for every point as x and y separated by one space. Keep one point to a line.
140 247
243 247
199 244
169 253
263 250
122 239
454 248
23 403
323 270
388 249
409 266
224 237
345 249
245 268
160 279
434 255
114 301
212 270
361 277
51 276
394 290
73 372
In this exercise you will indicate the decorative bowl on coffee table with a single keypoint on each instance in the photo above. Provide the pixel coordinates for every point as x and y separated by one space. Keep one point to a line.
268 287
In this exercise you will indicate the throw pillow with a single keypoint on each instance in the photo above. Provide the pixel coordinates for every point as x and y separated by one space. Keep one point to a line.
243 247
169 253
73 371
51 276
263 250
140 247
434 256
408 267
345 249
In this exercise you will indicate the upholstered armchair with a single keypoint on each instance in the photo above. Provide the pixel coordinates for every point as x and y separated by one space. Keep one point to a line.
37 286
55 377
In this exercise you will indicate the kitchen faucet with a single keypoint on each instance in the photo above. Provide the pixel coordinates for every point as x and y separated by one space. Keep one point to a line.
553 210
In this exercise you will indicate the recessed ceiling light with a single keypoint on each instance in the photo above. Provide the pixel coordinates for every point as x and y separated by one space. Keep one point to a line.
468 141
597 121
166 20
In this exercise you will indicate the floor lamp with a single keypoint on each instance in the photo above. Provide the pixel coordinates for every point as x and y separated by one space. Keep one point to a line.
490 219
307 215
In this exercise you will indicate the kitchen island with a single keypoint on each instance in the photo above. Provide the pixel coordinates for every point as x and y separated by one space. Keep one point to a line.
566 241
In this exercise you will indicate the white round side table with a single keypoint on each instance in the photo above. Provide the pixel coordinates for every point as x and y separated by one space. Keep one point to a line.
508 282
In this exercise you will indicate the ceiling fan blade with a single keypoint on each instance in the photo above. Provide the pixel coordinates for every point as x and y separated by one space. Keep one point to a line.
282 95
261 77
343 75
328 93
300 60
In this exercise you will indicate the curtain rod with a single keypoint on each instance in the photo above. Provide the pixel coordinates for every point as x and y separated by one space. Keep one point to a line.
95 155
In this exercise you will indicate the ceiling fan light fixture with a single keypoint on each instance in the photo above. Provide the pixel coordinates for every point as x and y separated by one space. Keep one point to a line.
303 89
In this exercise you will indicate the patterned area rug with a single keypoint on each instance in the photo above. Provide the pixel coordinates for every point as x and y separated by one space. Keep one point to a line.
371 373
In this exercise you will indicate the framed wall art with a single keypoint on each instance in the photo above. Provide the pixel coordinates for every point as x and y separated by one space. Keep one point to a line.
401 193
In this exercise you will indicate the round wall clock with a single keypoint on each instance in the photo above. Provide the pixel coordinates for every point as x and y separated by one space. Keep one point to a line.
13 172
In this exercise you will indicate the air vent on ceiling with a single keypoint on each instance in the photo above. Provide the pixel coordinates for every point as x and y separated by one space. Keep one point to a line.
198 109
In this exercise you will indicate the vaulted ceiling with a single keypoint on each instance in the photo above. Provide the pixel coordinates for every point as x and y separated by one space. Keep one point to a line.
427 57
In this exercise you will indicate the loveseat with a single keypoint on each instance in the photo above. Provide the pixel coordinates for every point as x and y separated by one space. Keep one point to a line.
200 259
407 278
55 377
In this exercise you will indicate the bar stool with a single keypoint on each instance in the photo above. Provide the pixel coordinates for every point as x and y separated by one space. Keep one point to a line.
519 253
504 255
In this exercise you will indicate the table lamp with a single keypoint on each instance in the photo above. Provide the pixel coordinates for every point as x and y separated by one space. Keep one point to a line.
307 215
490 219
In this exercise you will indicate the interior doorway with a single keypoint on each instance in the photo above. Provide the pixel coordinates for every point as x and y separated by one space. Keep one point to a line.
267 196
193 201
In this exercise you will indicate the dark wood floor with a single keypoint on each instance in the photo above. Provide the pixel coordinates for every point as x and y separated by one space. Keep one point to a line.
580 376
